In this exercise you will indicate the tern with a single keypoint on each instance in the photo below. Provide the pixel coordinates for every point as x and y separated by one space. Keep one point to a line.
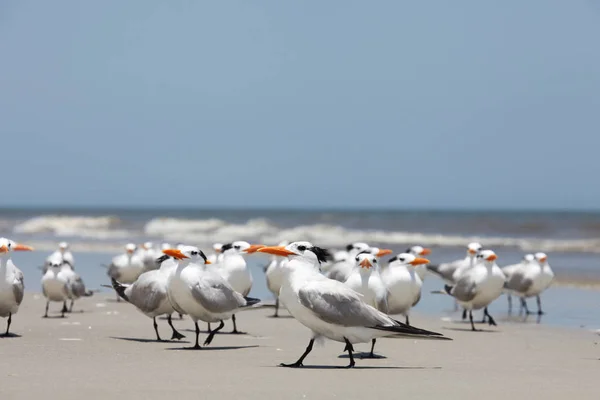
514 275
126 268
479 285
330 308
419 251
12 284
55 286
531 280
274 275
341 269
198 290
232 266
403 283
63 253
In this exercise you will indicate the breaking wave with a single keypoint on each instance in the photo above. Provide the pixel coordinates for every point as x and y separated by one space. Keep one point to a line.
204 232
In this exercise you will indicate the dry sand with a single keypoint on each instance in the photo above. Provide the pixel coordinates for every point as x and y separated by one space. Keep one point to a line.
108 351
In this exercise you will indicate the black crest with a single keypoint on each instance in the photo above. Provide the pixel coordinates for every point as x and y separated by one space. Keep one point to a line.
364 252
323 255
201 253
226 246
349 247
391 260
161 259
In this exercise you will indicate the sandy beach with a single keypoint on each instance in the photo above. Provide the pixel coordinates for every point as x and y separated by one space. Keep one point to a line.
108 351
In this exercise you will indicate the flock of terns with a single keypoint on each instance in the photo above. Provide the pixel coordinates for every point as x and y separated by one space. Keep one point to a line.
348 296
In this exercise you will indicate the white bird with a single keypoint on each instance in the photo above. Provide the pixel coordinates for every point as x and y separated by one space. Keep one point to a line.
329 307
63 253
216 256
201 292
479 285
365 280
126 268
403 283
12 284
76 286
419 251
149 295
341 270
449 272
232 266
546 278
508 271
55 286
148 253
274 275
531 281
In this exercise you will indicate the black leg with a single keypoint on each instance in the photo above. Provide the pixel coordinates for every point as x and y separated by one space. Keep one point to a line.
508 296
180 315
539 304
175 335
156 329
373 346
407 321
464 316
211 335
47 307
71 307
235 327
65 309
8 323
490 319
208 327
483 320
524 305
471 319
349 348
298 363
197 345
276 308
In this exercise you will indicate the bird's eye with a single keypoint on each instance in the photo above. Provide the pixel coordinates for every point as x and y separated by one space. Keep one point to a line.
301 247
357 259
401 259
194 253
237 247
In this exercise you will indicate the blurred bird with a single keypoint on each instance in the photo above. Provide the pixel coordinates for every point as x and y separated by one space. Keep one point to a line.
12 285
274 275
126 268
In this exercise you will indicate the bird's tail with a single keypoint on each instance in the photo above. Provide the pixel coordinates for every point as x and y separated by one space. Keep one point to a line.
250 301
119 288
88 293
403 330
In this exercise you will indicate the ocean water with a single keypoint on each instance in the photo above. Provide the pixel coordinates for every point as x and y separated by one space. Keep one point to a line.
571 240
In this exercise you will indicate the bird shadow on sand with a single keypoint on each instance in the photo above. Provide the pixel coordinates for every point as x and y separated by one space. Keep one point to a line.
280 317
9 335
55 317
139 340
206 348
357 367
364 356
469 330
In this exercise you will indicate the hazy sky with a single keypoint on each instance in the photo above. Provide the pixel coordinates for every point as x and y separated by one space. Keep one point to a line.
287 103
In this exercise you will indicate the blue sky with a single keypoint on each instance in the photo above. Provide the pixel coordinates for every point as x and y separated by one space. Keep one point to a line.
432 104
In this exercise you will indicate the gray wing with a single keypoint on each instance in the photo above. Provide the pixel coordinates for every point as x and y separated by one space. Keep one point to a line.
19 287
518 283
113 272
217 296
147 297
78 287
464 290
444 271
340 305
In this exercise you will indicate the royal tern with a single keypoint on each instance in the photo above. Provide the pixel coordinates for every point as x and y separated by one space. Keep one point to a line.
365 280
76 286
403 284
232 266
542 280
55 286
329 307
149 295
126 268
11 281
201 292
63 253
419 251
449 272
479 285
148 253
521 269
341 269
274 276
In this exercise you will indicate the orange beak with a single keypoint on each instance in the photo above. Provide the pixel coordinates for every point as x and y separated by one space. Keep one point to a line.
472 252
276 251
3 249
254 248
543 259
383 252
365 263
177 254
419 261
492 257
425 252
22 247
206 262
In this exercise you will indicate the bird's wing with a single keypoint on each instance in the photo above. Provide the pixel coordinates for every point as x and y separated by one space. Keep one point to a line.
77 286
146 296
335 303
464 290
518 282
215 294
18 287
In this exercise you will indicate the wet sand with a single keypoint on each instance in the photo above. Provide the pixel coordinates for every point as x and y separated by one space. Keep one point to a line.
108 351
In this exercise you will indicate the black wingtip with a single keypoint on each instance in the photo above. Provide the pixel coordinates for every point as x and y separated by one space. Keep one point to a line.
119 288
250 301
448 289
161 259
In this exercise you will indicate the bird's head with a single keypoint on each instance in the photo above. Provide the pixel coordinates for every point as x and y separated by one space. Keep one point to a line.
191 254
303 250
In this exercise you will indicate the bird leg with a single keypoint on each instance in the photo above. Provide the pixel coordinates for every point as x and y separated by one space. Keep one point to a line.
211 335
349 348
47 306
298 363
464 316
235 331
276 308
71 307
471 319
490 319
539 304
180 315
8 323
483 320
407 321
175 335
509 297
156 329
208 327
197 345
65 309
